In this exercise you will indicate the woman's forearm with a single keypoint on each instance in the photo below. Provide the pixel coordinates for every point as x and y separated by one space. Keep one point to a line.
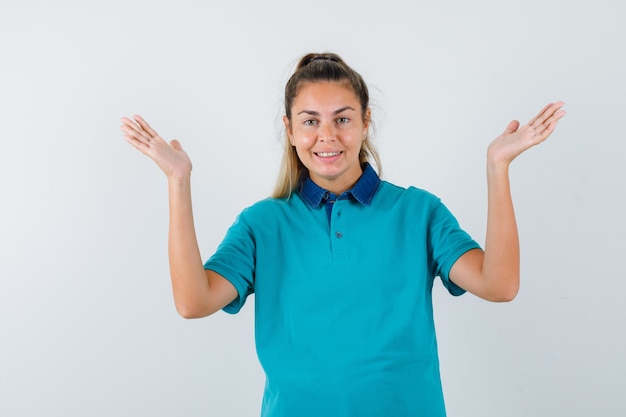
189 280
501 262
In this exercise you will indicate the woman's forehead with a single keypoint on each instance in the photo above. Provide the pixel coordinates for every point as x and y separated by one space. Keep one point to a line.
325 93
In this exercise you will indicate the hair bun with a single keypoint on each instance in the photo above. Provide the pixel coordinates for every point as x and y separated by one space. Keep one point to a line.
320 58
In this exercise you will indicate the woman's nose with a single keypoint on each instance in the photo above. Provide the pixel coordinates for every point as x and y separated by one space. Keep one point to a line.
326 132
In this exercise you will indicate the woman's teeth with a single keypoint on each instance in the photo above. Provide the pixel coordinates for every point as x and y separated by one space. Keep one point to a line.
327 154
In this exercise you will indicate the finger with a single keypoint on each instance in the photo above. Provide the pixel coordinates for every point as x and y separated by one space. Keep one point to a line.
132 126
511 127
141 146
550 123
546 113
145 126
549 126
133 134
176 145
534 119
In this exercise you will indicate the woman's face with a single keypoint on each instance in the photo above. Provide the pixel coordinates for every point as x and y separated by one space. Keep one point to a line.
327 129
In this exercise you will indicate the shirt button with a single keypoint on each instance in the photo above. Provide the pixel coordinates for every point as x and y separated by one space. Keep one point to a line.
339 235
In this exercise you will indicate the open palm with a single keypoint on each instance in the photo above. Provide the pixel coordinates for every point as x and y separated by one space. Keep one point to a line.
170 157
515 139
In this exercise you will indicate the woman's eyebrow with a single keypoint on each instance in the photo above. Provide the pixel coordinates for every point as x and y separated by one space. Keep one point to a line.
343 109
315 113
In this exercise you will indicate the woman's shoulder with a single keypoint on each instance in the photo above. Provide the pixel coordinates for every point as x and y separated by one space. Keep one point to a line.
390 190
409 200
270 206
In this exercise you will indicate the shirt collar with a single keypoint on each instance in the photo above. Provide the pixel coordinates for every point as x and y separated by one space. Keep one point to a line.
363 191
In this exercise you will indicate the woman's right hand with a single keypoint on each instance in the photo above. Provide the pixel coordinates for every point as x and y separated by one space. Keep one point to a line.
170 157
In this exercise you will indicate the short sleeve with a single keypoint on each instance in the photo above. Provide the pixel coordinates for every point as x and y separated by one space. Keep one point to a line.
235 261
446 243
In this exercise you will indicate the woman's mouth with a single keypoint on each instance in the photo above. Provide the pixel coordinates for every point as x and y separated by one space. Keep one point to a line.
327 154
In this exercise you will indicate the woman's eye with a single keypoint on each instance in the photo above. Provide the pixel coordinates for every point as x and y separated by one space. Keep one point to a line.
342 120
310 122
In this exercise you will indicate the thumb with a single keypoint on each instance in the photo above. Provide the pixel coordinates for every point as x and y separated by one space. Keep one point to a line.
512 127
176 145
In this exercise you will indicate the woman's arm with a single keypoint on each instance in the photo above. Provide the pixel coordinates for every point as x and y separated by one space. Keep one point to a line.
197 293
494 273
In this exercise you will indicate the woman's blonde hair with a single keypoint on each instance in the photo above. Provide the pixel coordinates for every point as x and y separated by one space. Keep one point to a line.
316 68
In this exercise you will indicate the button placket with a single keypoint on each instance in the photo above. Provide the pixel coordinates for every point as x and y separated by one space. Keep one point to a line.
337 229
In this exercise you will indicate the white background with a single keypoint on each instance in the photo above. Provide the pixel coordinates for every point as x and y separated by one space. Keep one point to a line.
87 322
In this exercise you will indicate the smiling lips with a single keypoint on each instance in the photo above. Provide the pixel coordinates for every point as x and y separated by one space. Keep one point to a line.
327 154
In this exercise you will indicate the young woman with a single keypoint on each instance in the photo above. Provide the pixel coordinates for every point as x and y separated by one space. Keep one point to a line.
342 263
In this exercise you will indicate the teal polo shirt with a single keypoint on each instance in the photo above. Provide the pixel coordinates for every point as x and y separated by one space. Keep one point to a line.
343 297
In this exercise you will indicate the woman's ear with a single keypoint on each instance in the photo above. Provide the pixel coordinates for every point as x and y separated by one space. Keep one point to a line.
367 117
288 129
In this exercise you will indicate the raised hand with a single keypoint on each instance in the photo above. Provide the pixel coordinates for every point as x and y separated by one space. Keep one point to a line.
515 140
170 157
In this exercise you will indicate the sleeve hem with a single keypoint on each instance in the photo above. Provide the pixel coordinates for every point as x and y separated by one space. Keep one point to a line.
452 288
242 292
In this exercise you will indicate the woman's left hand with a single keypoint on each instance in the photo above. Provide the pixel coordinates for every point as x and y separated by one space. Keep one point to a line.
515 139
